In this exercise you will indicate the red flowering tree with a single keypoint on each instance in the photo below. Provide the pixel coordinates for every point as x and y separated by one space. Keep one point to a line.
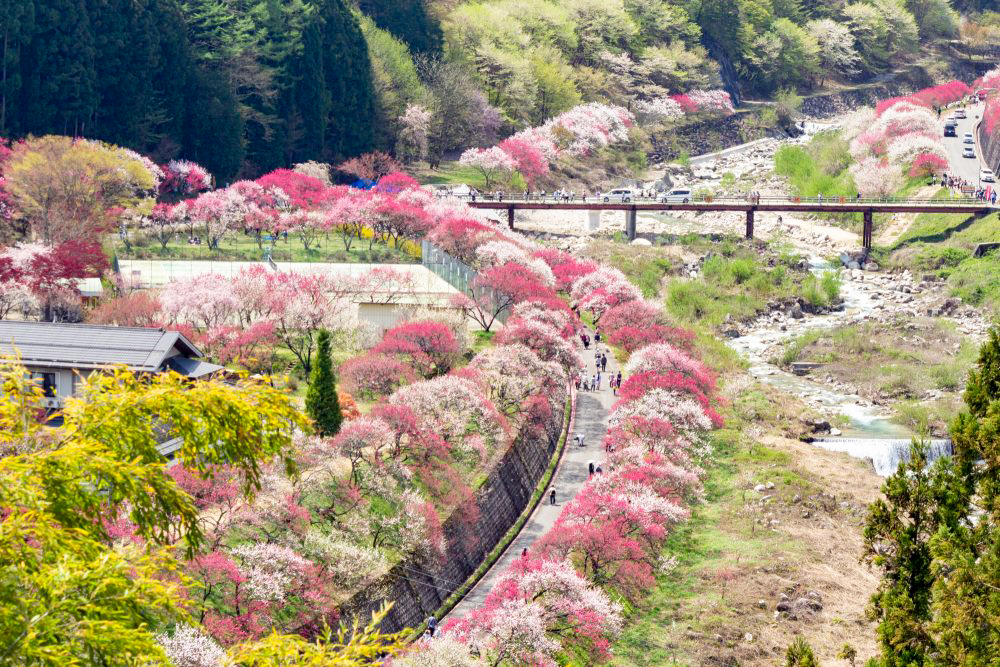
304 192
496 290
427 346
460 237
374 375
528 159
396 182
544 340
927 165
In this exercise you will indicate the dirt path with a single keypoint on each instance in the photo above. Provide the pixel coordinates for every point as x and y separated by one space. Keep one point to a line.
900 222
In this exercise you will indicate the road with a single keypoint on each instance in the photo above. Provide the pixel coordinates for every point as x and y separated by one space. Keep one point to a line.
964 167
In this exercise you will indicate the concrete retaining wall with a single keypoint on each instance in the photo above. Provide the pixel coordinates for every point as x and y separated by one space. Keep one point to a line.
417 587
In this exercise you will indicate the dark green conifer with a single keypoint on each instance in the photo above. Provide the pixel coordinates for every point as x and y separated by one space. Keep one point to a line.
322 403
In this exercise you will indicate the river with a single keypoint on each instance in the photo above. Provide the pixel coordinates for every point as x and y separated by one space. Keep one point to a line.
868 433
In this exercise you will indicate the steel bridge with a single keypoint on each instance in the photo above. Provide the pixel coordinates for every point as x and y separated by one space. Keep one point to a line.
749 206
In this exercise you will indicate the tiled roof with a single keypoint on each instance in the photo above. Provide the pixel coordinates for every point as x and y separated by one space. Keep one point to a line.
61 345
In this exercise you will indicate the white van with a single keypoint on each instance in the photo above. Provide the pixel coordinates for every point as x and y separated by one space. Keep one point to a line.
677 196
624 195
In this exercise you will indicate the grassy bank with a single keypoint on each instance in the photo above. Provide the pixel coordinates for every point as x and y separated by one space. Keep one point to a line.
242 248
729 565
943 245
742 281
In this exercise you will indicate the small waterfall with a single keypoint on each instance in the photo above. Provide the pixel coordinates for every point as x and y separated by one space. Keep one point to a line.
885 454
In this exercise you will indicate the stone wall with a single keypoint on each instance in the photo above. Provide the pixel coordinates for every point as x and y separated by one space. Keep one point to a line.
990 143
418 587
706 136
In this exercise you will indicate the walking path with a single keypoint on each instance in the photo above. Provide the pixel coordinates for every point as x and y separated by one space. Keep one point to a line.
592 408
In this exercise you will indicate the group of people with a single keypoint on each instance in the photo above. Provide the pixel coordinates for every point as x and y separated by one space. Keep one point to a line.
988 195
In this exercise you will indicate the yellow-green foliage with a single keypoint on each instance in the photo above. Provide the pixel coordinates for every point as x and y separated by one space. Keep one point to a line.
68 594
64 186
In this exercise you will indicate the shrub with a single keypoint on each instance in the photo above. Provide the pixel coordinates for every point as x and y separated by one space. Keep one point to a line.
374 375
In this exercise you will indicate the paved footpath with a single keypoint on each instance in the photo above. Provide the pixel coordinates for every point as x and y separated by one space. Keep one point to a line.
592 408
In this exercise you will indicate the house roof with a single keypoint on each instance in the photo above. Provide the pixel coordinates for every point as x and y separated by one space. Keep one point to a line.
60 345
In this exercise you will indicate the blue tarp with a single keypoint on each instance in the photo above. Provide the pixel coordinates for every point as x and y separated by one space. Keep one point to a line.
363 184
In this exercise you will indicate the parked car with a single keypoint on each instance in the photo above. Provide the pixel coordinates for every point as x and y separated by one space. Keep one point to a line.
960 113
968 151
676 196
986 176
967 138
624 195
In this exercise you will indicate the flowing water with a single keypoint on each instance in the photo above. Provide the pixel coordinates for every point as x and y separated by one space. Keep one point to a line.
869 433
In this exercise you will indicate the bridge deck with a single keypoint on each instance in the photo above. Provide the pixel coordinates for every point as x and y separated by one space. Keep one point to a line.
764 205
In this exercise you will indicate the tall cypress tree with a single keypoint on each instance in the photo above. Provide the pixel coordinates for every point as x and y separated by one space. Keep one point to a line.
17 18
312 99
349 82
126 46
58 91
322 403
408 20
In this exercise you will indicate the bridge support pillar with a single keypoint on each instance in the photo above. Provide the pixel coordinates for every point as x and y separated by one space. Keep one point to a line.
630 218
510 217
866 234
750 213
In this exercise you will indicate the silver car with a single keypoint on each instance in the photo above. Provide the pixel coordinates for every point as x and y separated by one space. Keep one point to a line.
624 195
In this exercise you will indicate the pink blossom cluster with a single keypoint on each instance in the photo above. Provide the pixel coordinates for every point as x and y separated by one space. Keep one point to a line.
697 101
991 115
184 178
904 138
660 110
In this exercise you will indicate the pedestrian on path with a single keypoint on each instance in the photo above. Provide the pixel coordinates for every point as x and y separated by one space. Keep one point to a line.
590 468
599 471
597 382
618 380
604 362
524 552
432 624
552 496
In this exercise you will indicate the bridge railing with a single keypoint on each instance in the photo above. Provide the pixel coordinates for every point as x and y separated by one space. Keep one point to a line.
730 199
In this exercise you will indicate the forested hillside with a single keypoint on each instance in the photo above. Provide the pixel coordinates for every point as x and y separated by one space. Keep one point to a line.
246 86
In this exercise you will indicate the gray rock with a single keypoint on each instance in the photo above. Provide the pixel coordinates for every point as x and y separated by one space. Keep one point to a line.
871 266
852 265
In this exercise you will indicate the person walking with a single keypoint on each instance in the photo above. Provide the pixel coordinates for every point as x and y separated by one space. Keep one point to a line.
524 552
597 381
618 380
552 496
432 624
604 362
590 468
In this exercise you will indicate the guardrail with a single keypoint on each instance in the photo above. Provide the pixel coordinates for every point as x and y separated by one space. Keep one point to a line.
711 199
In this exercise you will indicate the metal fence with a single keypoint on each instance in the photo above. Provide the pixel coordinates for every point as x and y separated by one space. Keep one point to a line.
456 273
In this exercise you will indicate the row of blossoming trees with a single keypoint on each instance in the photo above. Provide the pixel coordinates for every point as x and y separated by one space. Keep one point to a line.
58 196
581 132
902 137
608 541
376 491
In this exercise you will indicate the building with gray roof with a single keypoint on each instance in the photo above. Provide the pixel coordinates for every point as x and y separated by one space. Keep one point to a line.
58 354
